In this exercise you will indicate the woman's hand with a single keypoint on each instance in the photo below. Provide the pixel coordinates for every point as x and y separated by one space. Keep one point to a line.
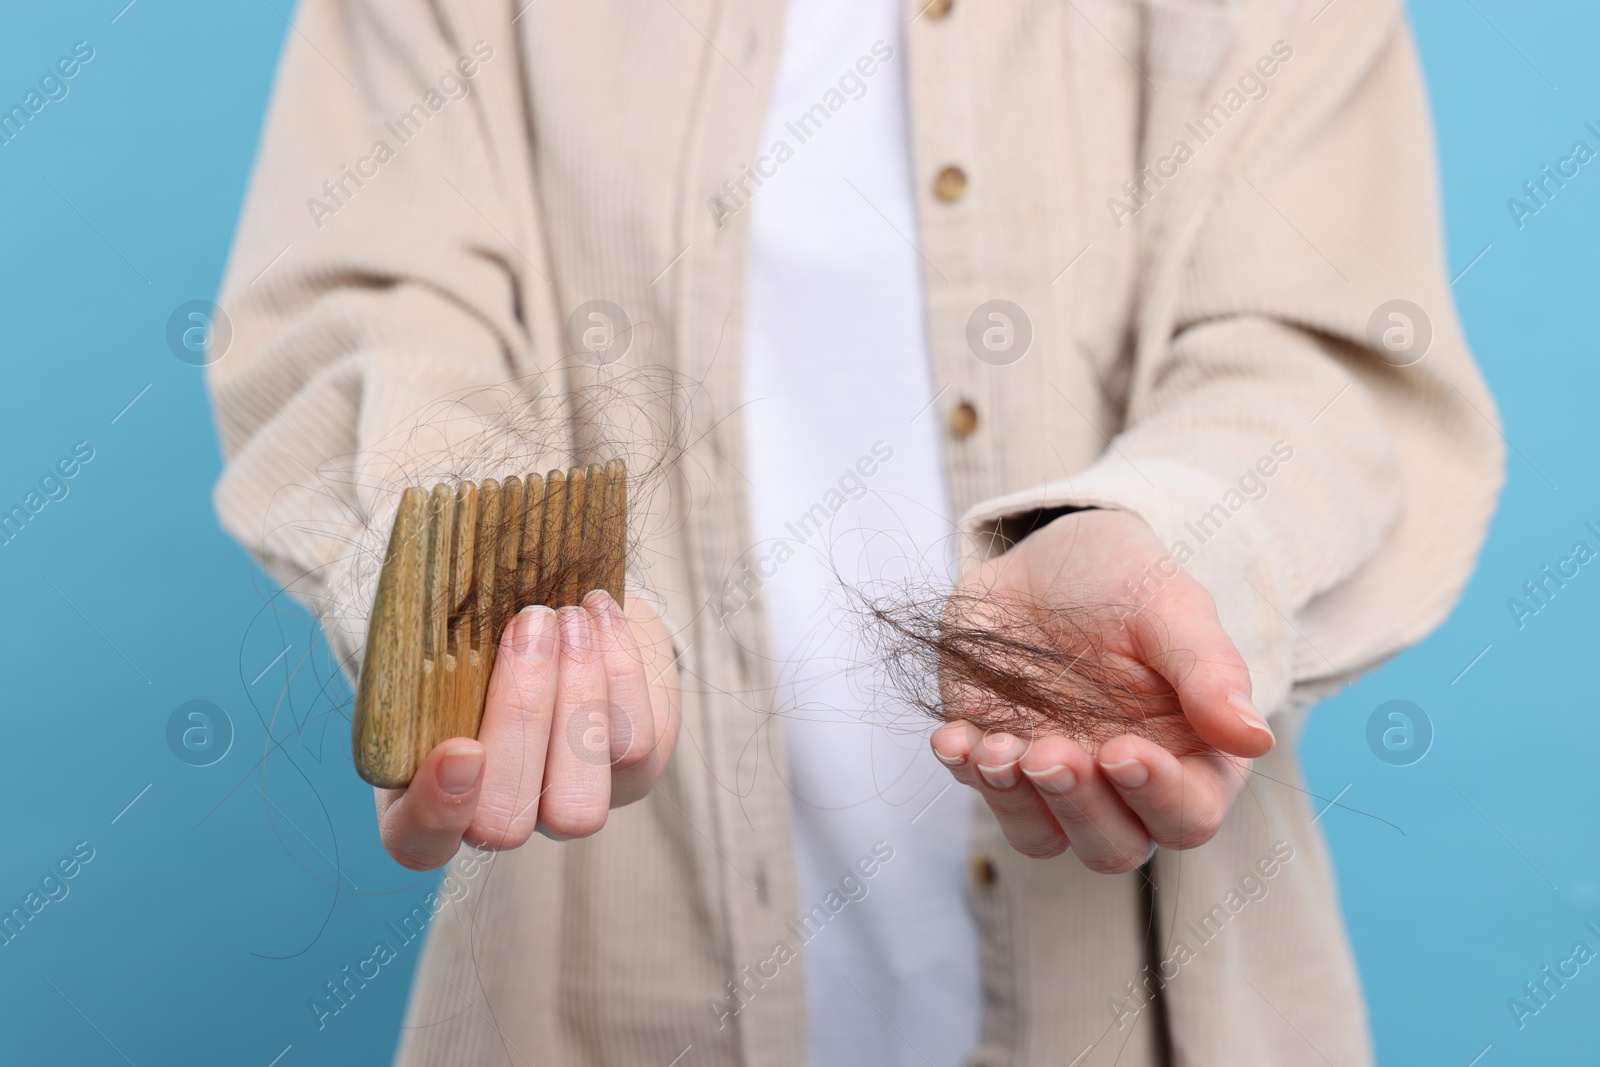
1113 806
581 717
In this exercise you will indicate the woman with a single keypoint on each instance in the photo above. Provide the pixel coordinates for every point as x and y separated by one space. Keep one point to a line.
1143 299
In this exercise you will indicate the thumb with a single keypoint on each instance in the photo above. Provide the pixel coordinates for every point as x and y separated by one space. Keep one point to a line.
421 825
1182 639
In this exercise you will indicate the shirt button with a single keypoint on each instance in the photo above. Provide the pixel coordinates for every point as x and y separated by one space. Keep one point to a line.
963 420
983 871
950 183
938 9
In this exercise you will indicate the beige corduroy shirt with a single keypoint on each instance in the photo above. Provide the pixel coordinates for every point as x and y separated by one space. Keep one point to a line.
1206 212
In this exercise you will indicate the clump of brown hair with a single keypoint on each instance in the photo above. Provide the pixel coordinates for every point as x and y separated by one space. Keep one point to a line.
1005 662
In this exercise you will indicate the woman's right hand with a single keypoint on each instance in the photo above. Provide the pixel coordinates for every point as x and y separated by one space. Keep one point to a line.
581 717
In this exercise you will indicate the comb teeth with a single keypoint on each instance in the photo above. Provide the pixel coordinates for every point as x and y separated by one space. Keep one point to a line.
461 563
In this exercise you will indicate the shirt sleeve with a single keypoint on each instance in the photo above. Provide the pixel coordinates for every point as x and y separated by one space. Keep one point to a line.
384 291
1307 430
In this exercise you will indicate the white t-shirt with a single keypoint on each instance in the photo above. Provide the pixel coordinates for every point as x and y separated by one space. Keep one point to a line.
845 464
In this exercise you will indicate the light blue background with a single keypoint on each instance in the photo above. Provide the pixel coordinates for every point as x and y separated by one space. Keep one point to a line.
207 919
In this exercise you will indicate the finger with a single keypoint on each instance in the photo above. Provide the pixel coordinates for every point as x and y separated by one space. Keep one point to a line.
952 746
1105 833
632 742
421 825
1182 638
659 656
577 790
1181 802
516 730
1023 816
632 727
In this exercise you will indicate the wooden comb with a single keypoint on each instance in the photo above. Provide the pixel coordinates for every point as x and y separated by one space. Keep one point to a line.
461 563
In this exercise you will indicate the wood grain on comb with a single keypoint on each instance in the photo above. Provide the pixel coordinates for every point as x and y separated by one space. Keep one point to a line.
462 561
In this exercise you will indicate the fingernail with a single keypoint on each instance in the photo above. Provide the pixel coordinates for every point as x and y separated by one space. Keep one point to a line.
1002 748
1246 710
536 633
1057 779
574 628
1002 777
1130 773
602 608
949 761
459 770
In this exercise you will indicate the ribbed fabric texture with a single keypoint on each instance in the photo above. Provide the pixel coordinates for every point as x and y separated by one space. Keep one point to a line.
400 314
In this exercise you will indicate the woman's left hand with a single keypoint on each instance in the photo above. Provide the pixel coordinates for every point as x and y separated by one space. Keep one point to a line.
1113 806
